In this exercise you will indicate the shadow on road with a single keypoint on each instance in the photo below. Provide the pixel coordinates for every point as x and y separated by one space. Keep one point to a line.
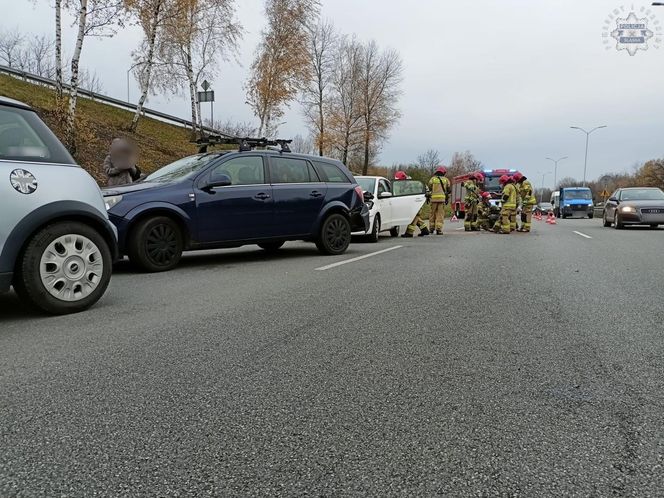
11 308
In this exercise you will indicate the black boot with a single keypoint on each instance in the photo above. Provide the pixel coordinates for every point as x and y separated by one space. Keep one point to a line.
407 235
424 232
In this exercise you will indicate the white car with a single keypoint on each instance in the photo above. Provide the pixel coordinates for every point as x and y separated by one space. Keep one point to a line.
394 204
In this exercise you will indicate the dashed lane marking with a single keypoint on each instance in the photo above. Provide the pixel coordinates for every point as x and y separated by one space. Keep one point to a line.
583 235
352 260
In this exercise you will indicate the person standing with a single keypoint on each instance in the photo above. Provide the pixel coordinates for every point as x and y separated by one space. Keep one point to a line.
440 188
528 200
418 221
120 163
472 201
508 206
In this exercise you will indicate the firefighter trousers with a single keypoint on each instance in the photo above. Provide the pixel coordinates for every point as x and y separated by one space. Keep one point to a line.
505 222
526 218
470 221
437 216
418 222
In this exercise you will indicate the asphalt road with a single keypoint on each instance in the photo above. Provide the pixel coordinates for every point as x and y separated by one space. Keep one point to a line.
463 365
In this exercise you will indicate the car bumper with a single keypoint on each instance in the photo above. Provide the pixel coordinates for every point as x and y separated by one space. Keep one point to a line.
359 219
577 211
5 281
122 226
642 219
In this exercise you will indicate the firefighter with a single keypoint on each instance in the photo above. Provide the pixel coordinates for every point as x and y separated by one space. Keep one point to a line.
418 221
508 208
484 211
471 201
439 186
528 200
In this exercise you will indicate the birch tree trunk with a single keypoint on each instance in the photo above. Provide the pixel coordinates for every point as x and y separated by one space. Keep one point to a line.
192 90
145 81
58 47
73 90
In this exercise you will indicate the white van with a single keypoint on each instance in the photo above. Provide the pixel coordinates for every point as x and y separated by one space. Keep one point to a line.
555 203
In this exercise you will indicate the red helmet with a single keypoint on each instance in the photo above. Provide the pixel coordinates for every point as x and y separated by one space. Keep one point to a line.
479 177
400 175
517 177
503 179
486 195
442 170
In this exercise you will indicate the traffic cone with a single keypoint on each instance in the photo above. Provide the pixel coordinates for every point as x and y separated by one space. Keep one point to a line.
551 219
454 219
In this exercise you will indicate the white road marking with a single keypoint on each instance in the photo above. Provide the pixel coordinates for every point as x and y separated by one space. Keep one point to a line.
460 228
583 235
352 260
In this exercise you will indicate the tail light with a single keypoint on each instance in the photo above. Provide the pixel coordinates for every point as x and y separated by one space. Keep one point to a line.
360 194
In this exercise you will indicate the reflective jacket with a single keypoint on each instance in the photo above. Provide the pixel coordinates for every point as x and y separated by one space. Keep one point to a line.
526 193
509 196
472 192
439 187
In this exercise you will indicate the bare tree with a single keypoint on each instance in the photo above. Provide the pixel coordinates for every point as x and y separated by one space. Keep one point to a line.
462 163
380 81
94 18
344 109
281 63
58 48
90 81
195 40
429 160
322 42
302 145
233 128
39 56
11 46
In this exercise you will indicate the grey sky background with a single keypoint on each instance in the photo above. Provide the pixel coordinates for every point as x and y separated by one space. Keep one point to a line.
503 79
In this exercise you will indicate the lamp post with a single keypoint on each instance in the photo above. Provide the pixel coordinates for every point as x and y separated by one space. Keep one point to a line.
555 169
542 190
585 162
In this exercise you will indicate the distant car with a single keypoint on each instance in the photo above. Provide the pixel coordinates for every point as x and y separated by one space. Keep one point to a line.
230 199
635 206
391 204
543 207
56 241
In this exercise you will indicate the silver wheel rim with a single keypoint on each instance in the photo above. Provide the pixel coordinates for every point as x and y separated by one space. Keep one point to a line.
71 267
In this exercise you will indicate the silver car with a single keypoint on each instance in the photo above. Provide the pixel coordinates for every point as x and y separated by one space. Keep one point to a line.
56 242
635 206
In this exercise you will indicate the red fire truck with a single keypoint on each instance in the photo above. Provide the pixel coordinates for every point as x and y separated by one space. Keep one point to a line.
491 184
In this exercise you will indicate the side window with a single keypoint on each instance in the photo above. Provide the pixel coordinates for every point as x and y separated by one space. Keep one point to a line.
616 194
331 173
291 170
408 187
383 186
245 170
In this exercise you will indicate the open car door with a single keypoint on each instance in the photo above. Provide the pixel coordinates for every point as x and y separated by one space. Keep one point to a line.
408 196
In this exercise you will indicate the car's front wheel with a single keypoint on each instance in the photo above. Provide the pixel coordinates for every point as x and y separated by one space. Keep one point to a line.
617 223
394 232
65 268
334 237
375 230
156 244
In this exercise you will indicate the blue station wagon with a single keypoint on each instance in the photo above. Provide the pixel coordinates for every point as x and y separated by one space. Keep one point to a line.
229 199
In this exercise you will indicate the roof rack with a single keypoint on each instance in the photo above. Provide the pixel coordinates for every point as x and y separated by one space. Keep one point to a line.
245 144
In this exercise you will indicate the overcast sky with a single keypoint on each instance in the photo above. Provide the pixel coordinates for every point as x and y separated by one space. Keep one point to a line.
503 79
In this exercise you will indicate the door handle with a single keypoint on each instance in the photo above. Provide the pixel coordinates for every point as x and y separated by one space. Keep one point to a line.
261 196
315 193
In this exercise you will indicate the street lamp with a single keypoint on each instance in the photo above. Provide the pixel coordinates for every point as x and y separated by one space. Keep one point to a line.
585 163
555 169
542 190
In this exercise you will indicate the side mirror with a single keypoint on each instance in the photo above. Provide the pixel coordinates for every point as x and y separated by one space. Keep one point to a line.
385 195
217 181
368 196
613 199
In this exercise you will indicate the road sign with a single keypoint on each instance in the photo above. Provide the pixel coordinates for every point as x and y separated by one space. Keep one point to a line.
205 85
605 193
207 96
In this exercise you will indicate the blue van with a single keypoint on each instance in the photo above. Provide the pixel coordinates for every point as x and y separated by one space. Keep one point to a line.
574 202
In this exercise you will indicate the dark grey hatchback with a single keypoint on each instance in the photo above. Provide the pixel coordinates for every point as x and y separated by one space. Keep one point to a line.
635 206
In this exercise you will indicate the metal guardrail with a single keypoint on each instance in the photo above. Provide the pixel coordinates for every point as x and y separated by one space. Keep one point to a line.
102 98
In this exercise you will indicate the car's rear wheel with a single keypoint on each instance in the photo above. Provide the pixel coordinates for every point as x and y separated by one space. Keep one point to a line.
271 247
375 229
156 244
394 231
617 223
334 237
65 268
590 216
606 222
